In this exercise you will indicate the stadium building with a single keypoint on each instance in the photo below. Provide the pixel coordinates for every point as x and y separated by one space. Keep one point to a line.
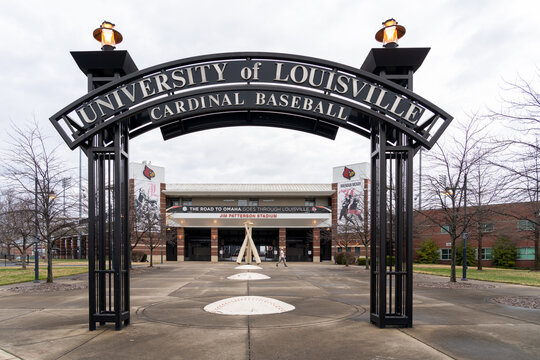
205 222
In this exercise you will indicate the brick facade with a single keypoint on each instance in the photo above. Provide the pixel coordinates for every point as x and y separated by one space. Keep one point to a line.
283 238
499 220
180 244
214 244
334 220
316 245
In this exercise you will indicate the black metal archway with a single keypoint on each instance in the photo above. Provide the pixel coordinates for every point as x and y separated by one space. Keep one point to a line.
251 89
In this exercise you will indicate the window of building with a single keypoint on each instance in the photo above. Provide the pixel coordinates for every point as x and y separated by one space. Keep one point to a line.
357 251
446 254
486 227
525 253
487 254
242 202
253 202
172 202
187 202
525 225
268 200
339 249
445 229
310 202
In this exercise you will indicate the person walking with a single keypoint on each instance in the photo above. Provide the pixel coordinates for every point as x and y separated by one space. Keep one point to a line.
281 257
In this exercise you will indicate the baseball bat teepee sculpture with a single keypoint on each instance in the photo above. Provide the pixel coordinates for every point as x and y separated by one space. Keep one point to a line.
248 247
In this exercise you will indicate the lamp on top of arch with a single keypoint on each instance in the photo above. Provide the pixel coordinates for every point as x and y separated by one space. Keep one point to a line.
108 36
390 33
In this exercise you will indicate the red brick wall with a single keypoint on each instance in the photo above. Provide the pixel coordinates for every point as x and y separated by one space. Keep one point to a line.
334 204
180 238
503 224
214 244
334 218
162 213
283 238
316 244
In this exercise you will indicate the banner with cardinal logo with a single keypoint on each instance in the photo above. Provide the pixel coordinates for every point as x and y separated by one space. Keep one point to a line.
352 196
146 205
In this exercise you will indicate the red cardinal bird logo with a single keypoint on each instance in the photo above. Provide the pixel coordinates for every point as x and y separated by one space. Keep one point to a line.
348 173
148 173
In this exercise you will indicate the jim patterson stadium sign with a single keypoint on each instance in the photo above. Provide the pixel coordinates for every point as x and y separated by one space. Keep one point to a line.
265 89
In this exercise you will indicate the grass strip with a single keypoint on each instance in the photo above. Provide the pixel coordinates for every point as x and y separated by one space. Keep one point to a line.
12 275
510 276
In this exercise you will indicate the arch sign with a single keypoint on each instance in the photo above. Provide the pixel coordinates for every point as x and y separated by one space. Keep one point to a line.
248 89
260 83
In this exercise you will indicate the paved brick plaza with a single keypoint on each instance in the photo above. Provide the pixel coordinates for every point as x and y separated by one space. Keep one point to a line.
330 320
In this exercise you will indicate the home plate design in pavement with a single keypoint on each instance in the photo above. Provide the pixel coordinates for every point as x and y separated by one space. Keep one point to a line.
248 267
248 305
248 276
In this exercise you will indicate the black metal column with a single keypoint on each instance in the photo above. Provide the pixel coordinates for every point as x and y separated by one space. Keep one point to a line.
109 248
391 230
374 227
392 199
108 236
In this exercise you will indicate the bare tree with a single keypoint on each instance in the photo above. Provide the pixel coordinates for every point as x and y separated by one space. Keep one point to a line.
146 224
454 159
138 231
524 169
16 224
360 232
151 240
350 233
34 168
345 236
7 235
520 112
487 185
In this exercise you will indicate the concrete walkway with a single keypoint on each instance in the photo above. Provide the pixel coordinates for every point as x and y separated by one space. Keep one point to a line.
331 319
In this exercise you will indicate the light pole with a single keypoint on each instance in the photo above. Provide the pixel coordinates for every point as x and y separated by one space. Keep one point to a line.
36 231
420 180
465 235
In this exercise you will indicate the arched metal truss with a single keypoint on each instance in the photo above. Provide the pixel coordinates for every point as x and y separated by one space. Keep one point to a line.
251 89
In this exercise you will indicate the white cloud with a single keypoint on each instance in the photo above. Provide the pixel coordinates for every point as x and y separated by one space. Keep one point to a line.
474 46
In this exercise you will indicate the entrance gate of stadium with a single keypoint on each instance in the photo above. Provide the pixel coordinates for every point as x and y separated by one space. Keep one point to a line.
251 89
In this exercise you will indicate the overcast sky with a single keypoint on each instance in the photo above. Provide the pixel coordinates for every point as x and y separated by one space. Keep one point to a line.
475 47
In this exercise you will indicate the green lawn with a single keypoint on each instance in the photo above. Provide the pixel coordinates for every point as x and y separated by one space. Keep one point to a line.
14 275
522 277
62 261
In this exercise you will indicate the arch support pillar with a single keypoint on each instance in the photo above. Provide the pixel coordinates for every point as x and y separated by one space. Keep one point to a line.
109 248
391 230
